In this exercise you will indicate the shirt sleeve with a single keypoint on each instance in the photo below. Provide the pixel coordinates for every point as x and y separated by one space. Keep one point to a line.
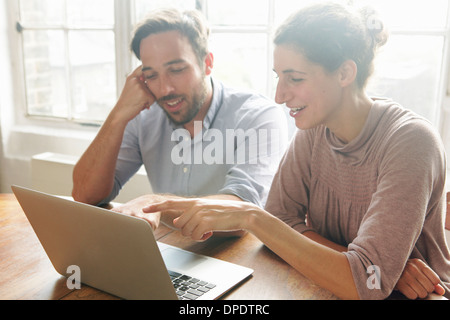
289 194
409 192
260 140
129 160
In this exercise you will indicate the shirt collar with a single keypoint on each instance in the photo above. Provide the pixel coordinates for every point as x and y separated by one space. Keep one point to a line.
216 102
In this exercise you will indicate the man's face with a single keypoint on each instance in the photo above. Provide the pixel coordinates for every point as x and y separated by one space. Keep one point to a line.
172 73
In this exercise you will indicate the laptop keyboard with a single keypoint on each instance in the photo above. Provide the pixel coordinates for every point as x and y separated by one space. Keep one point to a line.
188 288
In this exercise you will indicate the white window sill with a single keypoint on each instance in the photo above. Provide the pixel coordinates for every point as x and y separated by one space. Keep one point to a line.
24 141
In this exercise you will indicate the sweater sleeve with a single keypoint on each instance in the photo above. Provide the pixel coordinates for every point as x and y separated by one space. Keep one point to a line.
289 193
409 191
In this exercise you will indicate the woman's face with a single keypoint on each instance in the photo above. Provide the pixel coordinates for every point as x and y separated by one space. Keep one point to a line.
313 94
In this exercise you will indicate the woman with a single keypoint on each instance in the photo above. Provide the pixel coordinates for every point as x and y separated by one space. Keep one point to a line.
361 188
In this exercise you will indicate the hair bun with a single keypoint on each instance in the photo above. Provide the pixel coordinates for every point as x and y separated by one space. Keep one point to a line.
375 26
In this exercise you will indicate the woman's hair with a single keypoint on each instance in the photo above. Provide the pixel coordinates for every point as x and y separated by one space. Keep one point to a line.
190 24
330 33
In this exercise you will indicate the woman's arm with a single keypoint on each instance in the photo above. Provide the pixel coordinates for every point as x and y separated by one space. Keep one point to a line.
316 257
325 266
418 280
324 241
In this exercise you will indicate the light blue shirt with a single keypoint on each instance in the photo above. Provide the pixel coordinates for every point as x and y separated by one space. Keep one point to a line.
238 151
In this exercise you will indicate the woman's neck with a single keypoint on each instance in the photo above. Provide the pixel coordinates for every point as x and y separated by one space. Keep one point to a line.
352 117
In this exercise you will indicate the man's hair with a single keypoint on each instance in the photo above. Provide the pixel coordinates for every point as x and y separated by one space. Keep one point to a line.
190 24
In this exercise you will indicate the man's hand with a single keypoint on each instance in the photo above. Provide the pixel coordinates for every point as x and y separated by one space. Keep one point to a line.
135 96
134 208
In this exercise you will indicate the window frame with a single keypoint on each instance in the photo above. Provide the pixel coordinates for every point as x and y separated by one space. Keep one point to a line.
267 30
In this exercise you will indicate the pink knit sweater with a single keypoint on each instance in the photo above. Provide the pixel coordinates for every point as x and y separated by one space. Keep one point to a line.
381 195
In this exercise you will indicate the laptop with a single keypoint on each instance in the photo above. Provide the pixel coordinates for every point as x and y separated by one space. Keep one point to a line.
118 253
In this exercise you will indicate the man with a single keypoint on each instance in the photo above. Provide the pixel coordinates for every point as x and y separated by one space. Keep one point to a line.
195 137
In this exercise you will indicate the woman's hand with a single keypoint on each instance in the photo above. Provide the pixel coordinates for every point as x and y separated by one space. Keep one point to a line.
201 217
418 280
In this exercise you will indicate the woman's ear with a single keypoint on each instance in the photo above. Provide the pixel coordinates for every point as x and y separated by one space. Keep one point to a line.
209 63
347 73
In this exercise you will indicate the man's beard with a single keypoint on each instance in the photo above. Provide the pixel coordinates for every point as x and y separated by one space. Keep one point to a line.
198 99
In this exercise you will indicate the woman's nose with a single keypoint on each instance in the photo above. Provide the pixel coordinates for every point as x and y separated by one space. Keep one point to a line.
280 95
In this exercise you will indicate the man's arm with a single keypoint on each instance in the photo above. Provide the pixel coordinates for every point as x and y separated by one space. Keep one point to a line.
93 175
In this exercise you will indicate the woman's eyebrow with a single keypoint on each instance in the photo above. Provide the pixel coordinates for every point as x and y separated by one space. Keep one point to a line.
293 71
290 71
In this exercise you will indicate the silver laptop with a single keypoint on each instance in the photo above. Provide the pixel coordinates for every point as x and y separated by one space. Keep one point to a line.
118 254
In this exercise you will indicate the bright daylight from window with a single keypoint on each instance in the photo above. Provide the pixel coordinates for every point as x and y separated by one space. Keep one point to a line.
70 50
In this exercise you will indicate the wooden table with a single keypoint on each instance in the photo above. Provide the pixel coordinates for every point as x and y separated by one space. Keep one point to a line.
27 274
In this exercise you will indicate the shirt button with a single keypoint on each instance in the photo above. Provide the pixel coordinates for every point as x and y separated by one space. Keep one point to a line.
185 170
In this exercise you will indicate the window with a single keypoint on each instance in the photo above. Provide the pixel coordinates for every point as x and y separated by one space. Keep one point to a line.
410 68
76 56
68 57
